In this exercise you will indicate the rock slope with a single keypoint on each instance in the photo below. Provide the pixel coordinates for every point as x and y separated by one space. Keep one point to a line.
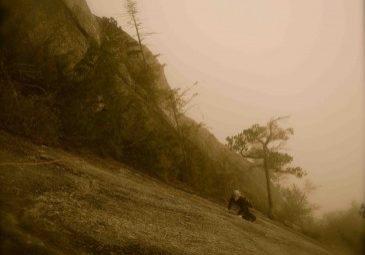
57 202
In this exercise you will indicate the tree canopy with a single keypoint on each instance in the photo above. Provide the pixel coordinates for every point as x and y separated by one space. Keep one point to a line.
263 146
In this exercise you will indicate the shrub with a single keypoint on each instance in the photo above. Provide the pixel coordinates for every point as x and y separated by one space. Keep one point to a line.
32 116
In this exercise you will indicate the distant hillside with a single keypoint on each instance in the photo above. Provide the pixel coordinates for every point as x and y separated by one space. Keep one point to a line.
57 202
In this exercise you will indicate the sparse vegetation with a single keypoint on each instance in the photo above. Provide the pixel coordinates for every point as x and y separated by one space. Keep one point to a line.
295 208
27 112
342 230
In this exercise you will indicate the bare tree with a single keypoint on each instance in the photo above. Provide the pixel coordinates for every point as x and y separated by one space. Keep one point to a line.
295 208
178 102
132 11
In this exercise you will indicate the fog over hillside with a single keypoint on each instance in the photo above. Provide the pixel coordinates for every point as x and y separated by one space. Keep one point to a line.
304 59
108 147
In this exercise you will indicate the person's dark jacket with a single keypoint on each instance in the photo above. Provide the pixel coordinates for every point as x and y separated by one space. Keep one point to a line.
241 202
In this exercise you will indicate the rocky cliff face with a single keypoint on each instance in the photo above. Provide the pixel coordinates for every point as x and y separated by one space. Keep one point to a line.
84 19
59 46
45 39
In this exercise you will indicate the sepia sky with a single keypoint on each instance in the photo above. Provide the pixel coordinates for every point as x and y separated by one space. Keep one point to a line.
257 59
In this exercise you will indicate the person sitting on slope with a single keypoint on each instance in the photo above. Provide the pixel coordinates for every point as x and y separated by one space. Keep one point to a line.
243 203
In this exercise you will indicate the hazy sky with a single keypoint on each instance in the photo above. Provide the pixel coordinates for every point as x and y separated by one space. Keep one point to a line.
255 59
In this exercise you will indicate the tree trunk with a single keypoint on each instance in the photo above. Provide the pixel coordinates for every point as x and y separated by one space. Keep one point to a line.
268 186
139 39
182 176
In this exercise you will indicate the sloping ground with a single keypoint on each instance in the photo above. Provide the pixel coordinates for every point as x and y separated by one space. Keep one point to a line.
65 73
54 202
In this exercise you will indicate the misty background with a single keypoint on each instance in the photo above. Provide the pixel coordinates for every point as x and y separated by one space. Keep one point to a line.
258 59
